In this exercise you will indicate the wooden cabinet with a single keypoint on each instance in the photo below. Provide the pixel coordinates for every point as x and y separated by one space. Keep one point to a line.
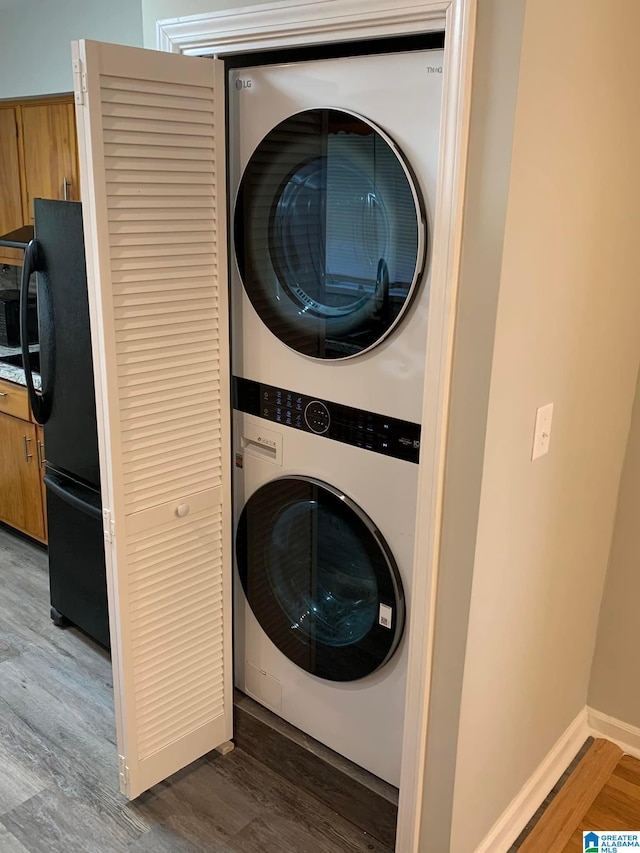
20 492
11 212
50 153
38 159
21 487
14 400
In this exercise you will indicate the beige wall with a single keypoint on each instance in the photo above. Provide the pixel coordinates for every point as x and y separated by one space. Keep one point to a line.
35 39
567 332
615 686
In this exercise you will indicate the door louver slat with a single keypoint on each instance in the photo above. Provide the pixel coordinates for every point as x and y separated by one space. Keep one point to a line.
158 434
172 647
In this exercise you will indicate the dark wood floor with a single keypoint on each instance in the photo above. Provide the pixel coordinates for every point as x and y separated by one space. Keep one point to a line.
58 769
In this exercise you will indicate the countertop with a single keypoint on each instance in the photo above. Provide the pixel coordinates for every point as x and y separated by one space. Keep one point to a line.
16 374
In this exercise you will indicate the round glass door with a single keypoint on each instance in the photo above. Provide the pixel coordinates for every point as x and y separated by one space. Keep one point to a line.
319 578
329 233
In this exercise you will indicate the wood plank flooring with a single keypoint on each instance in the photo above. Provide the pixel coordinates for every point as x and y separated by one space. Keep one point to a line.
617 806
550 798
360 797
574 799
58 769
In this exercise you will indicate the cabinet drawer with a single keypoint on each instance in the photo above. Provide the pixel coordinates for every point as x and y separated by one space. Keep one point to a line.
14 400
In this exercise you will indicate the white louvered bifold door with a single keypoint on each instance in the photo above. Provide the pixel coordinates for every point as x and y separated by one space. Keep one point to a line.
151 138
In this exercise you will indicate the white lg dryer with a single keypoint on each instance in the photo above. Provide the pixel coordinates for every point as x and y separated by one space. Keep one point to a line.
332 173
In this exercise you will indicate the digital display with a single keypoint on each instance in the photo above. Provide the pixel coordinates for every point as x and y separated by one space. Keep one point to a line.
368 430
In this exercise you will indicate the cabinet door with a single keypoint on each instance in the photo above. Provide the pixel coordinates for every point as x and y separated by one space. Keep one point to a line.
151 134
10 196
50 153
20 488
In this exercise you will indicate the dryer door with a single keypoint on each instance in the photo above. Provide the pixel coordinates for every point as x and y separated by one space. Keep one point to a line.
329 232
320 578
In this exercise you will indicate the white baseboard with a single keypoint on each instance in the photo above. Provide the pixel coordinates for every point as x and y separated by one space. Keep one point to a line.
524 805
626 736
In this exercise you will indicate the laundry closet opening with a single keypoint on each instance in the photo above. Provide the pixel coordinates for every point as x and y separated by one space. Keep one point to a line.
332 166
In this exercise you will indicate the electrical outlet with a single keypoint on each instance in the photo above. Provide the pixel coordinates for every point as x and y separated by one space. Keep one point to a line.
542 431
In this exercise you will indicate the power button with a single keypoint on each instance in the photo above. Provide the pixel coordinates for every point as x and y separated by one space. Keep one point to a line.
317 417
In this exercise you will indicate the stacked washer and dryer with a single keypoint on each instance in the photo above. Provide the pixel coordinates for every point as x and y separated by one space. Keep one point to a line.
333 167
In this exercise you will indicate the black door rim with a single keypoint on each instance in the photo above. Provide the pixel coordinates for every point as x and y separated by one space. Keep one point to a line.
304 641
292 319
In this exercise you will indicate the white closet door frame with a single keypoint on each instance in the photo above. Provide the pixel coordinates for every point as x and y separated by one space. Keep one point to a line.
297 23
151 144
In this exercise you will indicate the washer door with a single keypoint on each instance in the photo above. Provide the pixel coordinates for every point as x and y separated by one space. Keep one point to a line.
320 578
329 233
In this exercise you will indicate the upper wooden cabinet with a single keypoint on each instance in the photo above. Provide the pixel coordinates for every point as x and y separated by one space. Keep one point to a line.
11 212
50 153
38 159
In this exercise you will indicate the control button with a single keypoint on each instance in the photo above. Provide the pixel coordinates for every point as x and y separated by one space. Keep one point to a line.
317 417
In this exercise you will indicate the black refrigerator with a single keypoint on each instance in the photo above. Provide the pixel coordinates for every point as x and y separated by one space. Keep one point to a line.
66 408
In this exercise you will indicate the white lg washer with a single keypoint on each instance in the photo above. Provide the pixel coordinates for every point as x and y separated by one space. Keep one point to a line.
332 177
324 549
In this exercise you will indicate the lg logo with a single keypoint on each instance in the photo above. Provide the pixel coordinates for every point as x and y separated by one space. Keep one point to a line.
242 84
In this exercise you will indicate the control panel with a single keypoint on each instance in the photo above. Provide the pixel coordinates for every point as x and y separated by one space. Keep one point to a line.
368 430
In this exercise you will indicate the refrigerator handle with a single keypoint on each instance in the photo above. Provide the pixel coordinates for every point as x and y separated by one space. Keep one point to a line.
74 500
40 401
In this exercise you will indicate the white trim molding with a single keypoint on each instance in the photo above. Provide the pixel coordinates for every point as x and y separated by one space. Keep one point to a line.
300 23
533 793
294 23
625 735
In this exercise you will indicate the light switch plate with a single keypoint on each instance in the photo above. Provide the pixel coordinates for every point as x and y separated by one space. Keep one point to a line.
542 431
